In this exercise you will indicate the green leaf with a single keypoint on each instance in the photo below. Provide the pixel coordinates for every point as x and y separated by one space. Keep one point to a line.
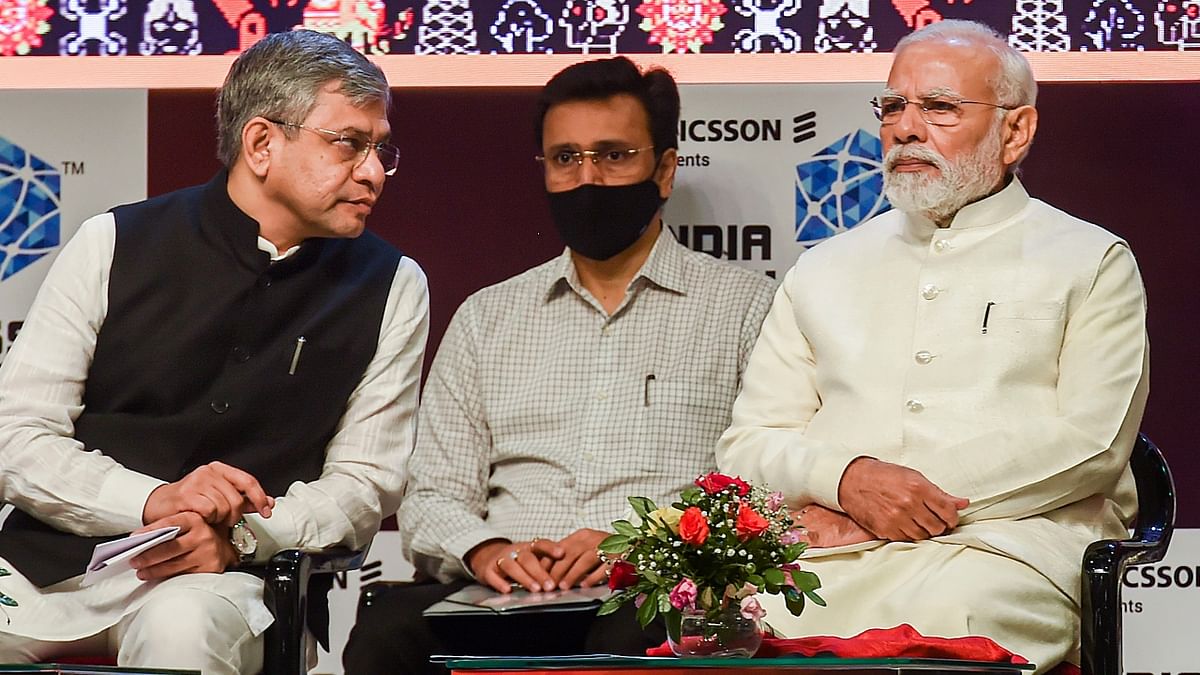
708 598
774 576
615 543
758 581
642 506
817 600
611 604
806 581
691 495
794 601
649 609
674 619
626 528
664 603
792 552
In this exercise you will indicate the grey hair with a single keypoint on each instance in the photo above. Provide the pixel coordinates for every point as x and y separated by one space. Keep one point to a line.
1014 84
279 78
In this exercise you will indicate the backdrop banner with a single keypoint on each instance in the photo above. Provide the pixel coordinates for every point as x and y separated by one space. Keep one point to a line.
766 171
64 157
1160 603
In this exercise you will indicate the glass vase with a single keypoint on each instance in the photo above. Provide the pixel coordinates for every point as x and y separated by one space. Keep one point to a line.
725 634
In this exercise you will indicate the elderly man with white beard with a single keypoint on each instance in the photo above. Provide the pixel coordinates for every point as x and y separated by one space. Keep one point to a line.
949 393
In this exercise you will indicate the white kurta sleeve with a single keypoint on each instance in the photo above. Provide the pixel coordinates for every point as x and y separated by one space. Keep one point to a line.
366 461
765 442
44 471
1039 463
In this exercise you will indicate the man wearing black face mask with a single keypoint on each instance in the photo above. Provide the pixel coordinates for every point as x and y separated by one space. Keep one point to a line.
607 372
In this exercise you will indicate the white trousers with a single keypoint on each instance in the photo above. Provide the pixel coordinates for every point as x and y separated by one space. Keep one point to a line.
183 628
942 590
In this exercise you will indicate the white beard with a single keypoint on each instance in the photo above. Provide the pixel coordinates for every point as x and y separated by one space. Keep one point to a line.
956 184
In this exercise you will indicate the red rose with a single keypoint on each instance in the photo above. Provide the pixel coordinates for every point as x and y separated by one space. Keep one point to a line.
749 523
715 482
622 575
693 528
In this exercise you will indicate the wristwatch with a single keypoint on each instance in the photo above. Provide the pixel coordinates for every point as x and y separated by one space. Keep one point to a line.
244 541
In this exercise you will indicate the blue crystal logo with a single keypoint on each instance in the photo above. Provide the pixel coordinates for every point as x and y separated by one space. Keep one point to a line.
30 201
840 187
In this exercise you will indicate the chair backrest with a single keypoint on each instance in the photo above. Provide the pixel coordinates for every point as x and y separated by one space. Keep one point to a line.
1156 500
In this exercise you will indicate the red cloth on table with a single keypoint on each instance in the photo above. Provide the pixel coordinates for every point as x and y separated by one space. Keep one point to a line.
878 643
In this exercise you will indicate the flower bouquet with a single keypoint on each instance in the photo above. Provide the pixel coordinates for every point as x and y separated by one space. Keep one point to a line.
701 561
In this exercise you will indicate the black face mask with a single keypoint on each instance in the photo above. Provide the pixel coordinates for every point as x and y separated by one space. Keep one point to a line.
600 221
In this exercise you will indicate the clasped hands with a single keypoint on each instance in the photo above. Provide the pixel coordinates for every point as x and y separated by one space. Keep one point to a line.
204 504
540 565
881 500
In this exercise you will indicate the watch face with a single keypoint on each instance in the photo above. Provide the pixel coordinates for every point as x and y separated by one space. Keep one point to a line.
243 539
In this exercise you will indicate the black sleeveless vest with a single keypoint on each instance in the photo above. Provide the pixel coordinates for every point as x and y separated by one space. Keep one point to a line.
194 361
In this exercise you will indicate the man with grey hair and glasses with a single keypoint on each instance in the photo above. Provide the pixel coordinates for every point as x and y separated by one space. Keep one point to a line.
239 360
949 393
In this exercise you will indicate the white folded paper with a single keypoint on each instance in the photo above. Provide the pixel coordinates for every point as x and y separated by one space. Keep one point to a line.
112 557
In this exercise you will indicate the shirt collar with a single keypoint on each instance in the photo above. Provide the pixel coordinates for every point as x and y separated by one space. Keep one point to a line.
990 210
241 232
664 267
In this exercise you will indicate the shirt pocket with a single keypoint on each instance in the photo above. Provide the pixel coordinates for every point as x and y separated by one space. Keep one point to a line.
1024 339
682 417
1026 311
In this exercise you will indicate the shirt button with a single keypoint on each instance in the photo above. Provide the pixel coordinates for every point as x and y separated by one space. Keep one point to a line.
264 281
929 291
602 396
922 357
241 354
941 245
914 405
219 407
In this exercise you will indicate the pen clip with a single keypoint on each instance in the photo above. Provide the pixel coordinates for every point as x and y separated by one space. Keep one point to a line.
296 355
646 389
986 311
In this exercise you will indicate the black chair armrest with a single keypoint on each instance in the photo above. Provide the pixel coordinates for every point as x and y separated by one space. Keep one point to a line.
286 595
1105 561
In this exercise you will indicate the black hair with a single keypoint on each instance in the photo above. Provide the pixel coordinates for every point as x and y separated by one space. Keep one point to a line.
602 79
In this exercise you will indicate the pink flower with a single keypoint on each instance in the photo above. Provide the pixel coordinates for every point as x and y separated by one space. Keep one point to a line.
751 609
639 600
683 596
774 501
791 537
787 568
715 482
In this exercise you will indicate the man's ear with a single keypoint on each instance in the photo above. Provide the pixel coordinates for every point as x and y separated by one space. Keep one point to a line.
257 136
1020 126
664 175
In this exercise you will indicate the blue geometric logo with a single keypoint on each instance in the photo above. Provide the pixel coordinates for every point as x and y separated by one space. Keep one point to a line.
30 198
840 187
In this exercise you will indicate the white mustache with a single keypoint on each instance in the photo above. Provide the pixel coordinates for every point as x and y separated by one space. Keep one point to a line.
901 153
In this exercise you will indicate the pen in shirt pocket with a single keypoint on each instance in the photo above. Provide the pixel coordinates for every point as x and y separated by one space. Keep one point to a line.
646 389
296 355
987 310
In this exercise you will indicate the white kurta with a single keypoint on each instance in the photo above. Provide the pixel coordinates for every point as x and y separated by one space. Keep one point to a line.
876 346
45 471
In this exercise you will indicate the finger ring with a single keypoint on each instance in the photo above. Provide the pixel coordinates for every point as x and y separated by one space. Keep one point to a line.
500 562
512 555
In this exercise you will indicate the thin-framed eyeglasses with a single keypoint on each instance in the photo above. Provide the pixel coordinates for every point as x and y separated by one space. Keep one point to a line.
612 162
352 146
942 111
